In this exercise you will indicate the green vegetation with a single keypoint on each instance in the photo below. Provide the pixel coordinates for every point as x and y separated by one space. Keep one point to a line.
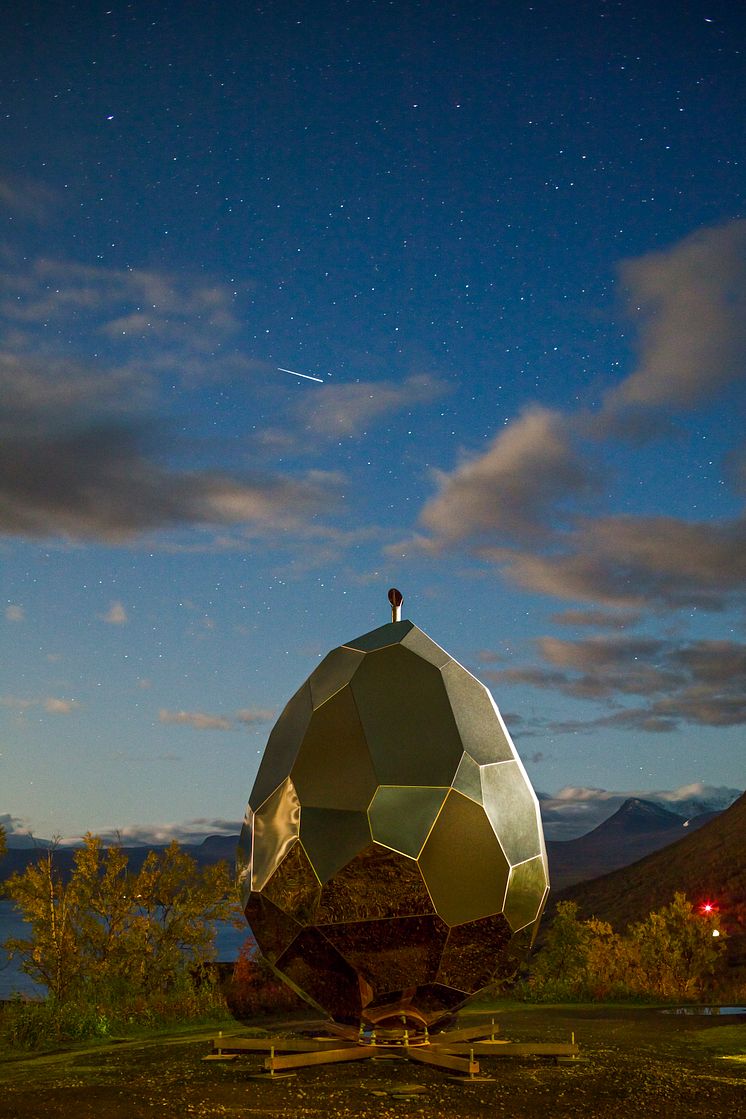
672 954
115 948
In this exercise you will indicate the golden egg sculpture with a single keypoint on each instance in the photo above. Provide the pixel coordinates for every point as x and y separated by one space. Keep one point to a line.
392 859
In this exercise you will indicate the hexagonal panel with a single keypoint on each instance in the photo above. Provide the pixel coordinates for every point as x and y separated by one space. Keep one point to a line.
471 952
332 768
512 810
331 838
527 888
376 883
408 722
392 954
282 746
462 863
321 974
482 732
380 638
276 930
294 887
468 779
333 673
275 828
401 816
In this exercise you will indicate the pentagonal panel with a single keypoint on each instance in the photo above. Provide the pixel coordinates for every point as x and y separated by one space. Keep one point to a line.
276 828
470 956
418 642
333 767
526 889
407 719
282 746
462 863
380 638
391 954
512 809
322 976
468 779
332 838
479 724
294 887
333 673
376 883
275 931
401 816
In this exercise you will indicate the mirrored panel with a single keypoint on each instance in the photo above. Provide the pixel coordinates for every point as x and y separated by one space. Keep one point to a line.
333 768
462 863
376 883
471 953
399 952
294 887
282 746
479 725
512 809
333 673
407 720
401 816
276 828
331 838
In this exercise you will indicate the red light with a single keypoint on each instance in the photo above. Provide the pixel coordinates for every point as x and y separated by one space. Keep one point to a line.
708 907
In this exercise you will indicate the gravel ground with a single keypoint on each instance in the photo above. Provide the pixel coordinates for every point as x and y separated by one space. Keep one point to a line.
640 1064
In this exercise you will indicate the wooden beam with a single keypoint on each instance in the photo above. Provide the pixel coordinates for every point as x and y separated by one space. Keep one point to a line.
434 1055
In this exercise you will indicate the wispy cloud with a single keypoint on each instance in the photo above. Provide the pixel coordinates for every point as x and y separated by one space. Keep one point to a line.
699 682
201 720
116 615
525 505
343 410
53 705
14 613
25 198
507 492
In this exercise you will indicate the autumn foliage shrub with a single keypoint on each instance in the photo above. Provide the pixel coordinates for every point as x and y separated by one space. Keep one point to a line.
671 955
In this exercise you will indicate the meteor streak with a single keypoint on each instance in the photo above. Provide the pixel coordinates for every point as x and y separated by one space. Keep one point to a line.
306 376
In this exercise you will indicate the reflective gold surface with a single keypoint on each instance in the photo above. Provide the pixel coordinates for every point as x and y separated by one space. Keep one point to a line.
392 858
401 816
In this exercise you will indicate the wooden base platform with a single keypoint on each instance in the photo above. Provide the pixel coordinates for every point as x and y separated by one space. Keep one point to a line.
454 1051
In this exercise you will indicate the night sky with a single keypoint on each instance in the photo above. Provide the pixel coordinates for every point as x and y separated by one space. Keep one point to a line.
510 240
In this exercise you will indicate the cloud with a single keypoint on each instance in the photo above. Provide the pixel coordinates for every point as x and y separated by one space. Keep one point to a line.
14 613
199 720
250 716
630 561
53 705
517 505
246 716
102 482
576 810
344 410
597 619
701 682
690 302
25 198
506 493
160 835
116 615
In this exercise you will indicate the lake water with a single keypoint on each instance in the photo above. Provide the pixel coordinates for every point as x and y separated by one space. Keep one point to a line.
228 942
